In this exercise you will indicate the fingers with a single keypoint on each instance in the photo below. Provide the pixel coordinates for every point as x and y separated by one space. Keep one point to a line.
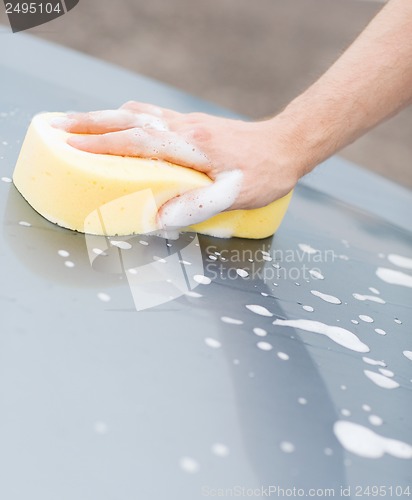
150 109
96 122
200 204
145 144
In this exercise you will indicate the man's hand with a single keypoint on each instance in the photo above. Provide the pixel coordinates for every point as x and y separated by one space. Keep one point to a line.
251 163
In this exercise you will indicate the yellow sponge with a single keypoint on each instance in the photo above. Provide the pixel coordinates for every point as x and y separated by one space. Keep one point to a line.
115 195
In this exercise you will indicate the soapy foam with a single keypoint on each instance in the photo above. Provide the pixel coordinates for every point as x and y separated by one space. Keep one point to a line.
213 343
338 334
283 356
408 354
124 245
202 280
287 447
203 203
394 277
400 261
231 321
366 408
374 362
386 372
260 332
372 298
7 180
242 273
104 297
308 308
365 318
375 420
265 346
381 380
316 274
366 443
327 298
257 309
380 331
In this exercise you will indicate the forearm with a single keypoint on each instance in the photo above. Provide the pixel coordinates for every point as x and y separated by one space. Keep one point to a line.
369 83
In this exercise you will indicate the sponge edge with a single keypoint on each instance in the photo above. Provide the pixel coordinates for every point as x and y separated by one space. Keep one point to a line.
115 195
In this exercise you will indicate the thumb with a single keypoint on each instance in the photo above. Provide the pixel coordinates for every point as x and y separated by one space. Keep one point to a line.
200 204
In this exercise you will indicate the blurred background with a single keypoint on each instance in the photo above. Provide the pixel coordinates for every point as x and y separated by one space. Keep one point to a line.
250 57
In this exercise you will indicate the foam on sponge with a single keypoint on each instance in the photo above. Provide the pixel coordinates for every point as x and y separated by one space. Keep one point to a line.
115 195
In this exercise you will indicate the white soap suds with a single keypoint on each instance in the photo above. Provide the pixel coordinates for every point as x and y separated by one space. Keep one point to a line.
302 401
365 318
374 362
287 447
386 372
63 253
242 273
400 261
381 380
260 332
380 331
316 274
283 356
338 334
366 408
150 122
327 298
397 321
366 443
220 450
69 263
372 298
24 223
308 308
215 344
345 412
394 277
123 245
374 290
143 242
98 251
104 297
307 248
202 280
408 354
231 321
375 420
257 309
203 203
195 295
189 465
7 180
354 321
265 346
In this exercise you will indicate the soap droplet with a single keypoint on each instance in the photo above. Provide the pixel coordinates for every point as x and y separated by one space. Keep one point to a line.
308 308
397 321
123 245
143 242
260 332
189 465
215 344
63 253
328 451
380 331
408 354
315 273
104 297
24 223
366 408
365 318
195 295
257 309
265 346
345 412
242 273
231 321
307 248
287 447
220 450
327 298
374 290
202 280
381 380
6 179
69 263
302 401
283 355
375 420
